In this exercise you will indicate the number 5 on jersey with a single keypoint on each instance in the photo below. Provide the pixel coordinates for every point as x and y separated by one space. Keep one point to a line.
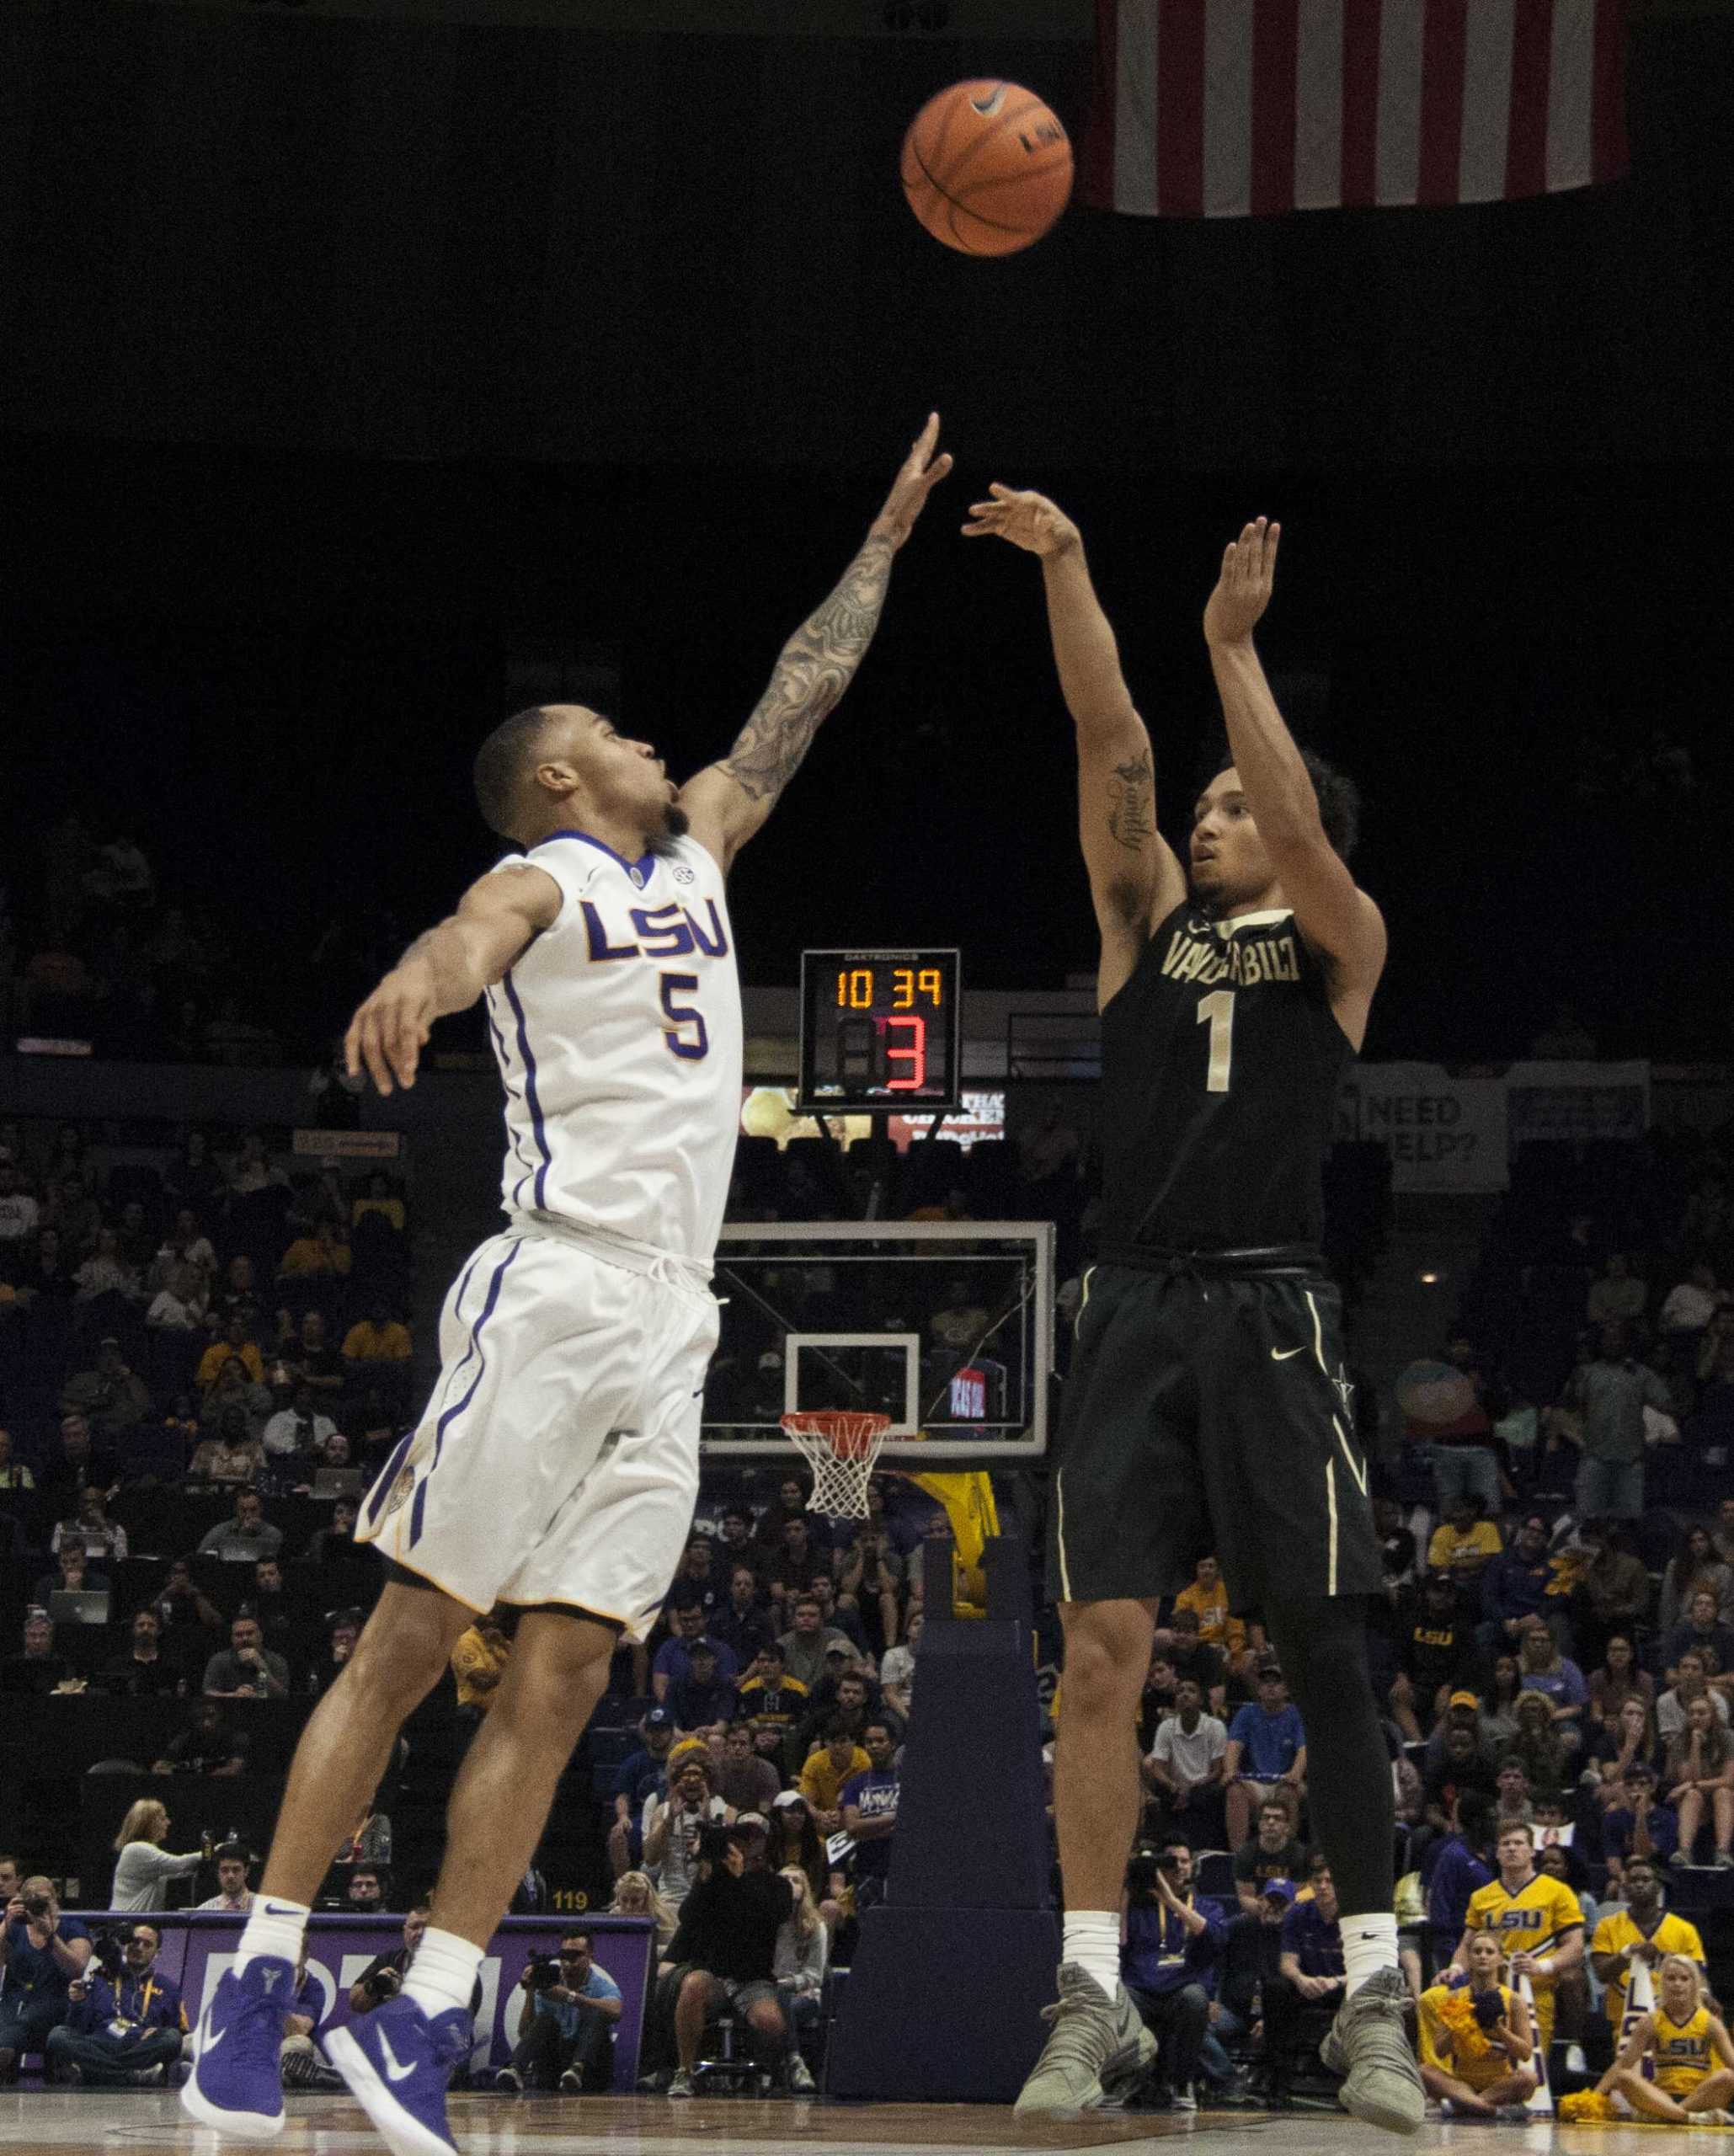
691 1048
1219 1008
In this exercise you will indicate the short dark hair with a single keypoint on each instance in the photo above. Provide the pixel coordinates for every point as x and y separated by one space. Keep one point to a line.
502 766
838 1725
1475 1815
567 1938
234 1853
1339 798
1316 1863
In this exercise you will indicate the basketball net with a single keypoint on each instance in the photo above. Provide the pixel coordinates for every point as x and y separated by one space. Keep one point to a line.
840 1446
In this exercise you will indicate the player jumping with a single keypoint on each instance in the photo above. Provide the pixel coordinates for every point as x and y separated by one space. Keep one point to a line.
555 1465
1208 1408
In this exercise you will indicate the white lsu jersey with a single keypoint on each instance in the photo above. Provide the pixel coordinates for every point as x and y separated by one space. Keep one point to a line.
618 1034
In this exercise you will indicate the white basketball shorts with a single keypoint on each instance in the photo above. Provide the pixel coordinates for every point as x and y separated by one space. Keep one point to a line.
557 1459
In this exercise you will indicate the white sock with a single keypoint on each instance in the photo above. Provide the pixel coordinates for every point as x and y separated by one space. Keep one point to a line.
443 1974
275 1929
1369 1944
1092 1942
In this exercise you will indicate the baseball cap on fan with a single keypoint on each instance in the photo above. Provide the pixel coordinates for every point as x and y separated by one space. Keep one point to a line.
1278 1890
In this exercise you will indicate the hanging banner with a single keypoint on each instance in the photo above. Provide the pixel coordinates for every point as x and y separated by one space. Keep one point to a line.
1442 1133
1448 1133
1577 1102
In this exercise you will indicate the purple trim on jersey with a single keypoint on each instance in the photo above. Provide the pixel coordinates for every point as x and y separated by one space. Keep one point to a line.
387 1474
503 1056
529 1094
642 869
418 1509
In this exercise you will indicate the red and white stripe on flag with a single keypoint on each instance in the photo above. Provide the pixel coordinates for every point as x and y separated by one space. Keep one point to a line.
1246 108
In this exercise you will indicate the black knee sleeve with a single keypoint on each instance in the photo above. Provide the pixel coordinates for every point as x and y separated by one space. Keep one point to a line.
1322 1645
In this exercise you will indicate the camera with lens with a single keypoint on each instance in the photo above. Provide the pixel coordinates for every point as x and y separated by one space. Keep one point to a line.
714 1844
1143 1868
109 1953
543 1971
38 1907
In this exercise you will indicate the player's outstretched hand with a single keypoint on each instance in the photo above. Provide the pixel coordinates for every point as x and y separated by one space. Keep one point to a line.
387 1034
1243 589
922 472
1027 519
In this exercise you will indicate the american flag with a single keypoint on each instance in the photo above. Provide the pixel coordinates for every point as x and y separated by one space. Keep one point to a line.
1239 108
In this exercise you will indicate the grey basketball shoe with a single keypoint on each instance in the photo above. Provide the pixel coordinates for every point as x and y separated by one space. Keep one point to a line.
1369 2044
1097 2045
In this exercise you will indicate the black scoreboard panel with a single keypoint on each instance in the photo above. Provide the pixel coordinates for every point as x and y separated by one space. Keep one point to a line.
881 1032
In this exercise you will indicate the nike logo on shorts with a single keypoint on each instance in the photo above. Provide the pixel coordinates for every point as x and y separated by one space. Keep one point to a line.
1282 1354
394 2071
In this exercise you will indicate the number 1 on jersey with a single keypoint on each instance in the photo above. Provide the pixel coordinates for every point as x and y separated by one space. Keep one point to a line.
1219 1008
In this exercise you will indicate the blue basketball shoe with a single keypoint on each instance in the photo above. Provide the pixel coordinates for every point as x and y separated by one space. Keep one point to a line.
236 2085
397 2062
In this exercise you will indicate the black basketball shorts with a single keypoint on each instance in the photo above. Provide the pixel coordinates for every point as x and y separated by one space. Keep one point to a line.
1209 1412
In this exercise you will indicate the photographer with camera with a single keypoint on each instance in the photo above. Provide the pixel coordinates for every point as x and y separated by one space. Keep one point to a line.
383 1976
1477 2043
124 2020
41 1952
1167 1962
727 1943
566 2023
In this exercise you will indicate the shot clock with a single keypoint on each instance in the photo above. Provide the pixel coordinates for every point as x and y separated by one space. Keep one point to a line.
881 1032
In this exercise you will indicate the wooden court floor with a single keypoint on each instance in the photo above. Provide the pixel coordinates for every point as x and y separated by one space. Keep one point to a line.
132 2124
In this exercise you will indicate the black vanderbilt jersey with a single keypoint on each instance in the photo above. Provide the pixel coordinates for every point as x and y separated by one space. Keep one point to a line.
1221 1064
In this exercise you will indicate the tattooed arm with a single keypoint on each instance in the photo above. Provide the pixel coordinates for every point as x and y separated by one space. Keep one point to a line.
726 801
1134 877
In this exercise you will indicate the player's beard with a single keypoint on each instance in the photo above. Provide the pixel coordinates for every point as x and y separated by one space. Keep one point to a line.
675 825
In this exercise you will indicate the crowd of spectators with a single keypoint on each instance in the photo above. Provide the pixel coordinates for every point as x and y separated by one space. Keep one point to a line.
1554 1651
199 1317
1554 1654
93 949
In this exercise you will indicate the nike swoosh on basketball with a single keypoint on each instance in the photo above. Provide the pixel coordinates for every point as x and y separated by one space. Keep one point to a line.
394 2071
1282 1354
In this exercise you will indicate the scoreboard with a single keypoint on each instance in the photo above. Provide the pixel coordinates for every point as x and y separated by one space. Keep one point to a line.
881 1032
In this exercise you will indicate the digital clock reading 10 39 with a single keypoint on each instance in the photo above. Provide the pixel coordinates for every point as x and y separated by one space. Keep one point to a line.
881 1032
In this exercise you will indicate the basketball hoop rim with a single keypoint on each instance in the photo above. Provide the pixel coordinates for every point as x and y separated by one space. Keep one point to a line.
840 1446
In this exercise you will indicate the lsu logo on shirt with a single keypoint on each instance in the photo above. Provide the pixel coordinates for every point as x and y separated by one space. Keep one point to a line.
668 931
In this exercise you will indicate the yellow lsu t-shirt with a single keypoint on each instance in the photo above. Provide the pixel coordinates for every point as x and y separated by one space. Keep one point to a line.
1615 1933
1448 1546
1452 2037
1216 1627
1683 2054
1529 1921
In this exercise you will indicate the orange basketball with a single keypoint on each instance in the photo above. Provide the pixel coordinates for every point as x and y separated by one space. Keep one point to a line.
986 167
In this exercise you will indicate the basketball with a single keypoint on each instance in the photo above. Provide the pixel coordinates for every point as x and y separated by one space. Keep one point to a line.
987 167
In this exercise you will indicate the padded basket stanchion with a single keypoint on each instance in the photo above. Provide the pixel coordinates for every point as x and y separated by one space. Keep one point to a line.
840 1445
